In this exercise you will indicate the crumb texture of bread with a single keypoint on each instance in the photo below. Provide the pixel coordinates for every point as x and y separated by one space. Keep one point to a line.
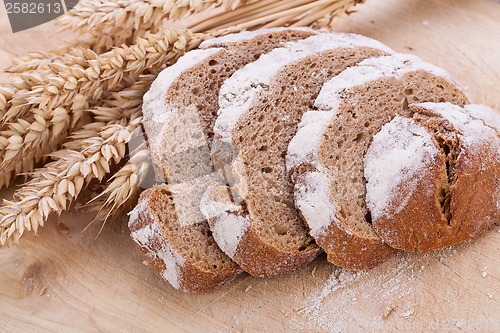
260 108
455 197
186 94
350 109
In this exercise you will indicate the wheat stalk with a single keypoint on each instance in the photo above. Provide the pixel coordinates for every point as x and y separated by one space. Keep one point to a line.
105 24
274 13
59 105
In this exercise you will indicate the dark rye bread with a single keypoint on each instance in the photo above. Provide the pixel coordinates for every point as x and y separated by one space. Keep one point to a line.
254 219
325 158
186 94
179 112
443 186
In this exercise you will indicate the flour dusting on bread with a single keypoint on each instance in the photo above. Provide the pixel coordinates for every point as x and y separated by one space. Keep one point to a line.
304 147
312 198
228 231
371 70
396 155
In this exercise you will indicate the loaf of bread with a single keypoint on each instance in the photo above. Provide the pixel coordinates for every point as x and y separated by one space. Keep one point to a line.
325 158
443 185
275 145
179 112
260 107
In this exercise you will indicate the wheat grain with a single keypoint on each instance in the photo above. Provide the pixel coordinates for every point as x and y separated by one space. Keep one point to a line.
125 185
40 61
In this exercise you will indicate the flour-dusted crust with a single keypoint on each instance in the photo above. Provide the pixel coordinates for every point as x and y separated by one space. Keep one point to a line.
241 90
370 70
455 196
485 114
227 40
274 245
349 110
396 158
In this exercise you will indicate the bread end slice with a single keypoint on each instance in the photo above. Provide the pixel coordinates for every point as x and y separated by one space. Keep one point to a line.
186 256
444 189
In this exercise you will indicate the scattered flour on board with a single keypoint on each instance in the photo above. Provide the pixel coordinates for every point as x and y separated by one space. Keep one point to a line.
365 301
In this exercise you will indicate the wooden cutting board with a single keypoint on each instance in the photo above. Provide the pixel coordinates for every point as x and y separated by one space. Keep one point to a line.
75 283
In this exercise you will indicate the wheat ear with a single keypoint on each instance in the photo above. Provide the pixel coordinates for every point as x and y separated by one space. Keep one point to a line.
111 23
59 106
89 154
54 187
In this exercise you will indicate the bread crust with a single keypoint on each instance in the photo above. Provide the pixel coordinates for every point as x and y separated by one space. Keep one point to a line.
421 225
248 249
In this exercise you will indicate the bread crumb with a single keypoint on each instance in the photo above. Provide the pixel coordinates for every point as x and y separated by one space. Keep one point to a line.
247 289
407 313
490 296
42 291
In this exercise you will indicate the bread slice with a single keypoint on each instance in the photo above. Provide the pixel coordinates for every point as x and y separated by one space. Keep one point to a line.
186 94
260 107
325 158
443 186
179 112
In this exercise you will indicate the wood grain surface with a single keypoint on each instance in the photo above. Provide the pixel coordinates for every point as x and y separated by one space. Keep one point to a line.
73 282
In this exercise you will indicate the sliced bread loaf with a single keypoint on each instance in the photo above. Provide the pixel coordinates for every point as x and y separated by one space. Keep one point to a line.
325 158
443 186
254 220
179 112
